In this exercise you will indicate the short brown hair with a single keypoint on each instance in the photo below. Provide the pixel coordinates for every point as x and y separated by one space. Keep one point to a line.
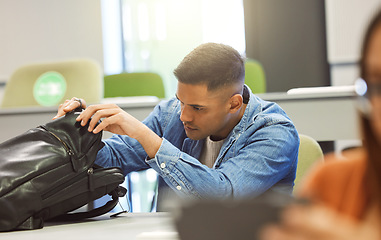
216 65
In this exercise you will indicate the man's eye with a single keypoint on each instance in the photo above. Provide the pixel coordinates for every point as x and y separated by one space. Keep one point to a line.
197 108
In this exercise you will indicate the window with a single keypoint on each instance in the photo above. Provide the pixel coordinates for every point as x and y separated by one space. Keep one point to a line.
157 34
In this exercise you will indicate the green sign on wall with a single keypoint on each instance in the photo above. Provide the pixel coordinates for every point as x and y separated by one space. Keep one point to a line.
49 88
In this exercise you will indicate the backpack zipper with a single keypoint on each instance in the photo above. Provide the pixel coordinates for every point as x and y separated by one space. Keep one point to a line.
89 173
67 148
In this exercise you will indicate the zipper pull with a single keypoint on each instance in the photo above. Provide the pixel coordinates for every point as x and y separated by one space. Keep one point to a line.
73 160
70 152
90 173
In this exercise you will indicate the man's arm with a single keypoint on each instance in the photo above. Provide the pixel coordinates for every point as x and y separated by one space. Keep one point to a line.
114 120
262 156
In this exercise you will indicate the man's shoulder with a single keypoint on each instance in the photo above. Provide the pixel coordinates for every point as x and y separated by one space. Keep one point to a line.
270 112
168 105
166 113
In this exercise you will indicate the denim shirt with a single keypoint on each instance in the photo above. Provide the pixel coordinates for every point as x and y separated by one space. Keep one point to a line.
259 154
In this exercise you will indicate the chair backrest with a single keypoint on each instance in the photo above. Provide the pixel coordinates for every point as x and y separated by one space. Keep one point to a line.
255 76
310 152
51 83
134 84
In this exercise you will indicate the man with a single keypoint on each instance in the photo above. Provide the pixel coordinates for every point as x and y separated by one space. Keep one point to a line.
215 139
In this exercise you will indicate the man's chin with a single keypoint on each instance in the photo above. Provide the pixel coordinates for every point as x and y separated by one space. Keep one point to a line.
194 136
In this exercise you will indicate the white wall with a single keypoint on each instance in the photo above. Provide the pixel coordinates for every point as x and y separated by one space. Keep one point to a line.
346 22
48 30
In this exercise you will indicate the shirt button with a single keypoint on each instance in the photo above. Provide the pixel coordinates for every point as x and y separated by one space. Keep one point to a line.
178 187
162 165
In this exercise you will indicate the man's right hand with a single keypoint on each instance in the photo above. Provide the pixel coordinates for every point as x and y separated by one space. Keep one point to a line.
70 105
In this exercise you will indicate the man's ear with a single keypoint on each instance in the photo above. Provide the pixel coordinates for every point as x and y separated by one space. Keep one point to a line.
236 102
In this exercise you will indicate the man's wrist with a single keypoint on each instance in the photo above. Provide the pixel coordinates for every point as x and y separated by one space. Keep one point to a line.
150 141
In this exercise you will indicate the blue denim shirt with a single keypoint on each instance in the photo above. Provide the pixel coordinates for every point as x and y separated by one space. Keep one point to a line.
259 154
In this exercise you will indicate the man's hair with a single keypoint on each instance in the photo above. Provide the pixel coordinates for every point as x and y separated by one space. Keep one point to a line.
215 65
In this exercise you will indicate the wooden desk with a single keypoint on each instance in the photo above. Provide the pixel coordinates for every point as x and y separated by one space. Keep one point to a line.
127 226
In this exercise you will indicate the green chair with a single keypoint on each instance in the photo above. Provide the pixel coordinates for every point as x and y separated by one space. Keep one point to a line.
310 153
51 83
133 84
255 76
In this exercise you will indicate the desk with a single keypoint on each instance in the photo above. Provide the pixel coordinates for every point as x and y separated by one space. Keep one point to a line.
127 226
325 116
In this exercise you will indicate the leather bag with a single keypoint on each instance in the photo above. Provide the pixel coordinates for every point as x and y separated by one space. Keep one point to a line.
49 171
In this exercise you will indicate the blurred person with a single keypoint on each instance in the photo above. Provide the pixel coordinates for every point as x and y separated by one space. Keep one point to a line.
345 194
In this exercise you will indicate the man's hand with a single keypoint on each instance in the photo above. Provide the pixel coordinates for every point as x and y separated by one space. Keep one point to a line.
113 119
70 105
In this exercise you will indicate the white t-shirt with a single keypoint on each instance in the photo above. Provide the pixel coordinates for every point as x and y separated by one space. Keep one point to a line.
210 151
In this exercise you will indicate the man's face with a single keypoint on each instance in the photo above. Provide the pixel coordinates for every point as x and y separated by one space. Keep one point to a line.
204 113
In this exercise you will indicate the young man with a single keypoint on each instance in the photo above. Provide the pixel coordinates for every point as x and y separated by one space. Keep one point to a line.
215 139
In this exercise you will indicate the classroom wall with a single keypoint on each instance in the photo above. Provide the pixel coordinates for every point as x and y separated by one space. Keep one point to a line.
48 30
288 37
346 24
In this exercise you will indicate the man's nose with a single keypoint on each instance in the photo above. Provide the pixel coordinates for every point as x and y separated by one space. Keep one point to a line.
186 115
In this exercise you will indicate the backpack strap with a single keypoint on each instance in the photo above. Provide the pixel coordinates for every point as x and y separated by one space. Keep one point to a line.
115 194
31 223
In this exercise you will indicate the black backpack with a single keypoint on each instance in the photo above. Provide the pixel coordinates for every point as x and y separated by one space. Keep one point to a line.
49 171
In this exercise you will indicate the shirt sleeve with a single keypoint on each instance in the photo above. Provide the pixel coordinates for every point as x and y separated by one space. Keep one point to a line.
186 175
127 153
